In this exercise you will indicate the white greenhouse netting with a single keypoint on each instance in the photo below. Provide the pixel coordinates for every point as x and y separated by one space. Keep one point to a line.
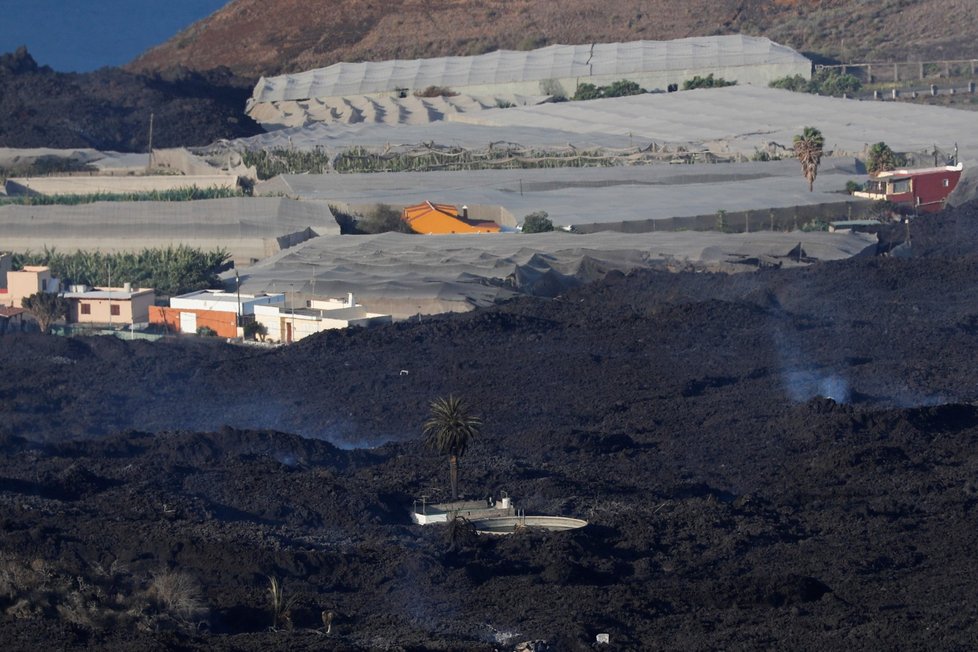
249 228
556 62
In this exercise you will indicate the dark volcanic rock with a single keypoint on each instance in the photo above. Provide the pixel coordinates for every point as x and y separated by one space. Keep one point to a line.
785 459
109 109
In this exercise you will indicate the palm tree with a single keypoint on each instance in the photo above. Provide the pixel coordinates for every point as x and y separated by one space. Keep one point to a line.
808 148
881 158
449 430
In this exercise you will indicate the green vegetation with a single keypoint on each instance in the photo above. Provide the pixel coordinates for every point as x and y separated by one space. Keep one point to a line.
852 186
206 331
808 147
189 193
537 222
255 330
47 308
706 82
273 162
449 430
359 159
44 166
170 271
721 223
619 88
764 155
815 225
881 158
827 81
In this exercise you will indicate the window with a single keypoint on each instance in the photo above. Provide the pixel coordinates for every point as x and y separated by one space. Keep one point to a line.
114 310
86 308
901 185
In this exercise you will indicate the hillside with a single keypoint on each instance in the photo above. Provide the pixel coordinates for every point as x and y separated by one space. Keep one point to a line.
110 109
261 37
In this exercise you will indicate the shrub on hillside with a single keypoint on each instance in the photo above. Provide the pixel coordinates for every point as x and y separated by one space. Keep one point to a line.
620 88
537 222
382 220
436 91
706 82
826 81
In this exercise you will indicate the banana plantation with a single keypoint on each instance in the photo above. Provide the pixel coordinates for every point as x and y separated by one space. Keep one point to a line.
170 271
189 193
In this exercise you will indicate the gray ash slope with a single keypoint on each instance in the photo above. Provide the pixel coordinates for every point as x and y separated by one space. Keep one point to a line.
732 503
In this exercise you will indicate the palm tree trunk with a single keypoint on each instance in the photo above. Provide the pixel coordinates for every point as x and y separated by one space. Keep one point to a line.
453 470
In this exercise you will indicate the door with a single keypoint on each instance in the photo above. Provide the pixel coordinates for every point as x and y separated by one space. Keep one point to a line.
288 332
188 322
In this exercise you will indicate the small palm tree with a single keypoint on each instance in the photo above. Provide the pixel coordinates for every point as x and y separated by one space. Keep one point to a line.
881 158
808 149
448 431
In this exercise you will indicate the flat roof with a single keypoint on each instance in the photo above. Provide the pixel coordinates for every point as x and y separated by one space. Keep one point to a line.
109 293
910 172
223 296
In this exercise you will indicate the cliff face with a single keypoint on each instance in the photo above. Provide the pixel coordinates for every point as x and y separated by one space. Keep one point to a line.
261 37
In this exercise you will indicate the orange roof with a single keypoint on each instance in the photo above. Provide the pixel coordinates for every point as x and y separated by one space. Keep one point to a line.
443 218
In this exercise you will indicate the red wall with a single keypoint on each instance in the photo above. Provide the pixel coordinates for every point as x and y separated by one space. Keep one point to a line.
223 323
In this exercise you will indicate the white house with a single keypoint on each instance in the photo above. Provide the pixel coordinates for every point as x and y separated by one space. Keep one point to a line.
289 325
219 311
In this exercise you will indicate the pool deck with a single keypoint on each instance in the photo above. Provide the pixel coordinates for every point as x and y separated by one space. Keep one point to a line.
425 513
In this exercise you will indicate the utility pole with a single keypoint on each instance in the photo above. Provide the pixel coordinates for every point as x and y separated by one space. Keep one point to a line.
292 292
149 165
108 272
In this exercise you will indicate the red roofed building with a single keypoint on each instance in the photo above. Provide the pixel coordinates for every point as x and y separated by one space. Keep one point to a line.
429 218
924 189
